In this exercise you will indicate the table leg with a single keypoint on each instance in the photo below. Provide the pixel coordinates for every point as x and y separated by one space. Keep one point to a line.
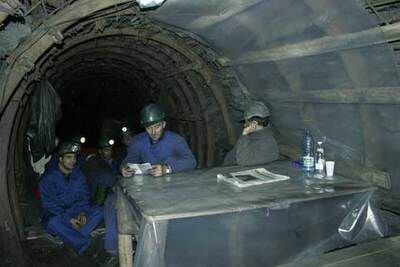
125 250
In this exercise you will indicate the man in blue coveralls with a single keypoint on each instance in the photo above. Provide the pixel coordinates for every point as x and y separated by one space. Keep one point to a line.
102 170
166 151
65 200
79 140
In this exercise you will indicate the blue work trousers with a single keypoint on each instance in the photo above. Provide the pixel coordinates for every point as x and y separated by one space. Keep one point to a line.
79 240
110 218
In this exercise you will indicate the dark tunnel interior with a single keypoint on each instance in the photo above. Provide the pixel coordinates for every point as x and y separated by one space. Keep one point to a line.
105 76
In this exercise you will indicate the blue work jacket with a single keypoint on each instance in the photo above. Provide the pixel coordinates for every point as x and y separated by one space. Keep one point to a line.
171 149
61 196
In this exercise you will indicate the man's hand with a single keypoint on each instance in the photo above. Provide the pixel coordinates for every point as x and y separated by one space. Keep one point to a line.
156 170
247 130
75 223
82 219
250 127
127 172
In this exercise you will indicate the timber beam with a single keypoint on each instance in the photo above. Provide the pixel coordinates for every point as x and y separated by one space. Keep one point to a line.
371 95
319 46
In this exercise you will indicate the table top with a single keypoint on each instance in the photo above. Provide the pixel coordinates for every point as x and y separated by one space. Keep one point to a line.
197 193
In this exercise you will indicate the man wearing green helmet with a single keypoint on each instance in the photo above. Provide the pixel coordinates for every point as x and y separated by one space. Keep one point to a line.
166 151
257 144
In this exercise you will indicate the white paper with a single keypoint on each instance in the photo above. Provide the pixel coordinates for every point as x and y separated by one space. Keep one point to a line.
251 177
140 168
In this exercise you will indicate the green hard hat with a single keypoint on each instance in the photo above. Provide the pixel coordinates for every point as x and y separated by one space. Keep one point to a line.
68 147
256 109
151 114
104 141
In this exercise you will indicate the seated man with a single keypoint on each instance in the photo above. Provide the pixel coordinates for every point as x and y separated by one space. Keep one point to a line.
166 151
101 170
79 140
126 136
65 200
257 144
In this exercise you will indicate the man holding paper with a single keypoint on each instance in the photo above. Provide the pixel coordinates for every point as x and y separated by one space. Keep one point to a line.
166 151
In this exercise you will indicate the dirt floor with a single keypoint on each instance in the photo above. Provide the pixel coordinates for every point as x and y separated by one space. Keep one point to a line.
44 253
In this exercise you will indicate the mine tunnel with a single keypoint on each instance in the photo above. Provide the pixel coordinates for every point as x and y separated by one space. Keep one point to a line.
328 66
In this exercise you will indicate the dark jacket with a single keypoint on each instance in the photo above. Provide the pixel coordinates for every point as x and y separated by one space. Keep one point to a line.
99 173
256 148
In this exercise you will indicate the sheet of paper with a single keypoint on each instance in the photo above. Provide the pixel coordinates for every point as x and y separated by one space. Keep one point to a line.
251 177
140 168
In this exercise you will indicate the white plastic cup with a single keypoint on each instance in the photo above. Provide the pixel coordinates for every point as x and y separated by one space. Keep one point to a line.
330 166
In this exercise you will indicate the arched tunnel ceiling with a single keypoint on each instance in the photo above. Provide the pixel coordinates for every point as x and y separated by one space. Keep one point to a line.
155 63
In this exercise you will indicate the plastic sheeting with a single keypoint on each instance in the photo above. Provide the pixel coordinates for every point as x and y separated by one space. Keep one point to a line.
286 72
45 112
190 219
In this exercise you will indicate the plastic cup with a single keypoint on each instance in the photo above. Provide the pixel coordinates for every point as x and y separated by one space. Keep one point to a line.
330 166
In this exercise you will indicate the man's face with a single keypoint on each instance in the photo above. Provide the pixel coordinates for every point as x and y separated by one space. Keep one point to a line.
155 131
68 161
249 127
126 138
106 152
249 123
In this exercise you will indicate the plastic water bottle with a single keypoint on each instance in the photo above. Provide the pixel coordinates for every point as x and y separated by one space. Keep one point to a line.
319 160
308 152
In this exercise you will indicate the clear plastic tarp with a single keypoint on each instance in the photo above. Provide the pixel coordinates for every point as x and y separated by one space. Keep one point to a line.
318 64
191 219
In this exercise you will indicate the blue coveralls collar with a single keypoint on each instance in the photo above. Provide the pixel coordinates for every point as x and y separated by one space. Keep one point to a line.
152 142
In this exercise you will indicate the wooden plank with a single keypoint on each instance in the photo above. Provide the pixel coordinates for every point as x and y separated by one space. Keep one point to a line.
126 251
371 95
376 3
207 21
319 46
383 253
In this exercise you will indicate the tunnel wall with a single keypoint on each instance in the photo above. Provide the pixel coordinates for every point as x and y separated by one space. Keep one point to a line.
321 65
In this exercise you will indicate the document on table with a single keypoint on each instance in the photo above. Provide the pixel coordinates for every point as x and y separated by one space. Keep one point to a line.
251 177
140 168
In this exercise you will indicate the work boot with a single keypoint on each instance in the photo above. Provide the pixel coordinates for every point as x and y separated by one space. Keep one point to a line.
111 261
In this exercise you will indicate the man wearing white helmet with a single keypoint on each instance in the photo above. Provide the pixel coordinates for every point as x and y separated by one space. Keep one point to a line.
257 144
